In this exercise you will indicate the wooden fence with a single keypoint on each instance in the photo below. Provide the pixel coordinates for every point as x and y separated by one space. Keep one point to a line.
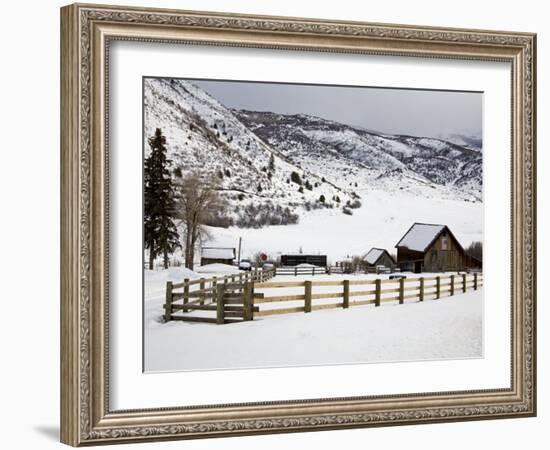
216 300
300 270
350 293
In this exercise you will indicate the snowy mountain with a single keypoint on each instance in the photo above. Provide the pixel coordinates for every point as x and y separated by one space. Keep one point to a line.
337 150
465 140
272 167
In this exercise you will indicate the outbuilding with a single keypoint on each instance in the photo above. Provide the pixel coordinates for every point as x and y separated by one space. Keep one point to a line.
213 255
294 260
377 257
428 247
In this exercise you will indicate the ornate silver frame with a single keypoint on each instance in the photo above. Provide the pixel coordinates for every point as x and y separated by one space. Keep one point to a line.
86 31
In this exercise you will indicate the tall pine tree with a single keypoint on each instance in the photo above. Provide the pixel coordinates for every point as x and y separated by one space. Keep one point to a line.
160 233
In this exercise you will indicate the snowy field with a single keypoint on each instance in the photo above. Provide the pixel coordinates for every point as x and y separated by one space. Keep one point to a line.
382 220
448 328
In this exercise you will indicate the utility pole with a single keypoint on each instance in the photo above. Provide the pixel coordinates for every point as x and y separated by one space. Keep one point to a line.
239 254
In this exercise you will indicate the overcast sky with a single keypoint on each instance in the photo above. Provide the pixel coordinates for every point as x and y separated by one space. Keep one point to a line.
395 111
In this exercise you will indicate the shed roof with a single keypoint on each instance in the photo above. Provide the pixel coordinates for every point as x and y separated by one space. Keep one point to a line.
420 236
218 253
372 255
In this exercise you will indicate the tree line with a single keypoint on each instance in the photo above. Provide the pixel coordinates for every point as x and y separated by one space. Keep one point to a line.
191 201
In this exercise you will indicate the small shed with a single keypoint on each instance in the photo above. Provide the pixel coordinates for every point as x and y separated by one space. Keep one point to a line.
378 257
428 247
214 255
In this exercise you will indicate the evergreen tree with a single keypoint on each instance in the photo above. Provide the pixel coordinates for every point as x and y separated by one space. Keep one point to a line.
272 163
160 233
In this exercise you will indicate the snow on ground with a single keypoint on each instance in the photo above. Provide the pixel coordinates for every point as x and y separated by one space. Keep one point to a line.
381 222
217 269
448 328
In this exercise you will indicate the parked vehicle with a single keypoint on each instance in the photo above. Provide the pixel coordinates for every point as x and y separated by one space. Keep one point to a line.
245 264
397 276
382 269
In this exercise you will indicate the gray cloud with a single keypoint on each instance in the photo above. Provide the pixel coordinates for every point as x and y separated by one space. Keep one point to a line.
396 111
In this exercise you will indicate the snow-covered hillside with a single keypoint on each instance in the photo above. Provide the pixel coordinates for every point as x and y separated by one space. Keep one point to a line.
205 137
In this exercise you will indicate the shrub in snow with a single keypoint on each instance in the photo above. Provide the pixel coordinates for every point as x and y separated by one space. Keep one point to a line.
347 211
295 177
257 216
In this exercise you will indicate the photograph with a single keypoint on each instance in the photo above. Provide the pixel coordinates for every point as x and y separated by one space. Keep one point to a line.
291 224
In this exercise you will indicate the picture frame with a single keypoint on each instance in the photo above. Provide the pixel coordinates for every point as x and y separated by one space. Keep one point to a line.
87 31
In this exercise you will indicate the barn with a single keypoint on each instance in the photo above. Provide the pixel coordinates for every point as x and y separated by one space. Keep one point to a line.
377 257
427 247
213 255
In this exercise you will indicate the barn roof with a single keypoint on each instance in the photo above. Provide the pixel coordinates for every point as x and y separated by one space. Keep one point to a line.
373 254
420 236
218 253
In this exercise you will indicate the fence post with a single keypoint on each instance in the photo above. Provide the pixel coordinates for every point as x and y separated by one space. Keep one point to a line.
251 297
168 304
247 302
185 293
401 291
463 282
438 287
452 285
346 294
475 281
202 286
214 287
421 293
220 291
295 271
307 305
378 291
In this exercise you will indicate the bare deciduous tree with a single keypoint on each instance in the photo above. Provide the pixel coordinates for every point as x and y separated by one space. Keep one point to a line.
198 199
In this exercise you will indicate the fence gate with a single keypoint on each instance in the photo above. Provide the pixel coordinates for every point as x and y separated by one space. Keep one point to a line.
234 302
221 303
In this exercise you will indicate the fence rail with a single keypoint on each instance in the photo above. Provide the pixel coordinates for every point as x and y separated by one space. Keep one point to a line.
300 270
376 292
